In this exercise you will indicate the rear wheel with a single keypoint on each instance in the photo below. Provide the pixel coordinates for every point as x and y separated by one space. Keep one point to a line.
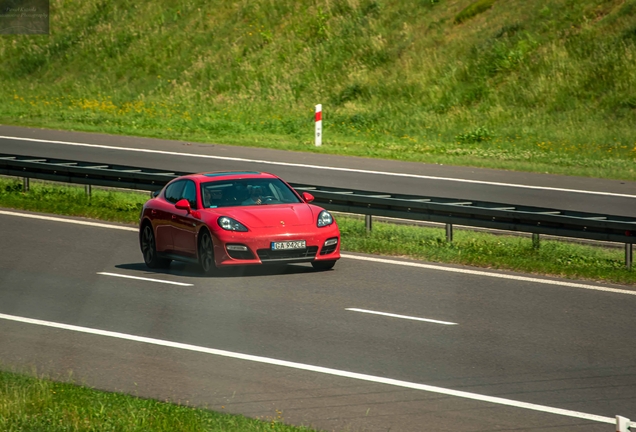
206 254
323 265
149 249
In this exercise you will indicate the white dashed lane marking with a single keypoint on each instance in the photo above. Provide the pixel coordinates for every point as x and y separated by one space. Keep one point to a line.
144 279
401 316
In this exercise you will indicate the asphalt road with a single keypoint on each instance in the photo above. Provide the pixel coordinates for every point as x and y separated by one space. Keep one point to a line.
523 341
542 190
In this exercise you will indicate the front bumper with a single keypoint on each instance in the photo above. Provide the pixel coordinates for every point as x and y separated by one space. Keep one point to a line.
249 249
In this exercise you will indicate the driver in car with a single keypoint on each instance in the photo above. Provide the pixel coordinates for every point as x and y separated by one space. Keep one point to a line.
256 194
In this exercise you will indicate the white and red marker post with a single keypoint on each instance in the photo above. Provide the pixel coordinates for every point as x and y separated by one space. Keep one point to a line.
318 125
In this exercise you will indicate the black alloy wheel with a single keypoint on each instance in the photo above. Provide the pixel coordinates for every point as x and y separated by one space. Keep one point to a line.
149 249
206 254
323 265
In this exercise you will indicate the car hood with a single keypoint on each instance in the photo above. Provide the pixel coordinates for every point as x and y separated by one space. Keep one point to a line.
271 216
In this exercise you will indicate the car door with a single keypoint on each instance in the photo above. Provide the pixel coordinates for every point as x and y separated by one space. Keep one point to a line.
184 224
165 216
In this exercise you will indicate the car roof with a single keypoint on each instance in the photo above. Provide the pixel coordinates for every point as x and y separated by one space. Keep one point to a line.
229 175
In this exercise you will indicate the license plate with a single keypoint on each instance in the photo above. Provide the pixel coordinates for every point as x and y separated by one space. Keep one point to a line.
284 245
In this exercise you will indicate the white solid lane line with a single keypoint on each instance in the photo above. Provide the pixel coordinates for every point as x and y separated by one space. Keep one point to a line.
144 279
401 316
488 274
318 369
72 221
372 259
320 167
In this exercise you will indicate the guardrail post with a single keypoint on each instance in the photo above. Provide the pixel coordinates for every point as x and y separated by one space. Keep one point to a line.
87 189
449 232
622 424
25 184
628 256
535 240
368 221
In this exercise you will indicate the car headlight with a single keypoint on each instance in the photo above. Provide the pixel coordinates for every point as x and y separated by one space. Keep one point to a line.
324 218
230 224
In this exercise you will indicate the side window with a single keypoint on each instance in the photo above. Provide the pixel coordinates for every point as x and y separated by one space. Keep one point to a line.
190 193
173 191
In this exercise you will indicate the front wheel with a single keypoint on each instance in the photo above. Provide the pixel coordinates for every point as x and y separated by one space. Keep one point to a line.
206 254
149 249
323 265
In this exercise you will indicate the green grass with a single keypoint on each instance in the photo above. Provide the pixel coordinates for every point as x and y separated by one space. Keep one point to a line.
40 404
536 86
46 197
563 259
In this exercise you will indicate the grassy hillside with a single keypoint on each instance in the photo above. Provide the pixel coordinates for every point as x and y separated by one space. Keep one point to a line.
545 86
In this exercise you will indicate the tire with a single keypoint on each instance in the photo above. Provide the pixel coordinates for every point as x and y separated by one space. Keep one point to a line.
206 254
149 249
323 265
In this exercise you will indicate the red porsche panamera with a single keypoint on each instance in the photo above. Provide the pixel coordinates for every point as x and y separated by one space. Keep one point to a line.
221 219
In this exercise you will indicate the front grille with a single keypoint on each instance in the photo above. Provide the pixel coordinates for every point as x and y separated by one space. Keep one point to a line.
287 255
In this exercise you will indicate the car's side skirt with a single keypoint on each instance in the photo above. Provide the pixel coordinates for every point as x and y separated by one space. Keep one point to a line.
176 257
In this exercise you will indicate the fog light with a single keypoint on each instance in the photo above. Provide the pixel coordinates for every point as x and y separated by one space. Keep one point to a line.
330 242
237 248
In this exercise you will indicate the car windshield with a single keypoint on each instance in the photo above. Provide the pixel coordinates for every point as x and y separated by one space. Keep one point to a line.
246 192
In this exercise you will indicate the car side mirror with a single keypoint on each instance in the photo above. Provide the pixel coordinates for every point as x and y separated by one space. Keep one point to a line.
183 204
308 197
156 193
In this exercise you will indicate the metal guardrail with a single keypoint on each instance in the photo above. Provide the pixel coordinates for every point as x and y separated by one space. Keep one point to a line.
535 220
97 174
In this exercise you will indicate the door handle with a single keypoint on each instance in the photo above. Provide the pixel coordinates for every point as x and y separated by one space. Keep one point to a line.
153 212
